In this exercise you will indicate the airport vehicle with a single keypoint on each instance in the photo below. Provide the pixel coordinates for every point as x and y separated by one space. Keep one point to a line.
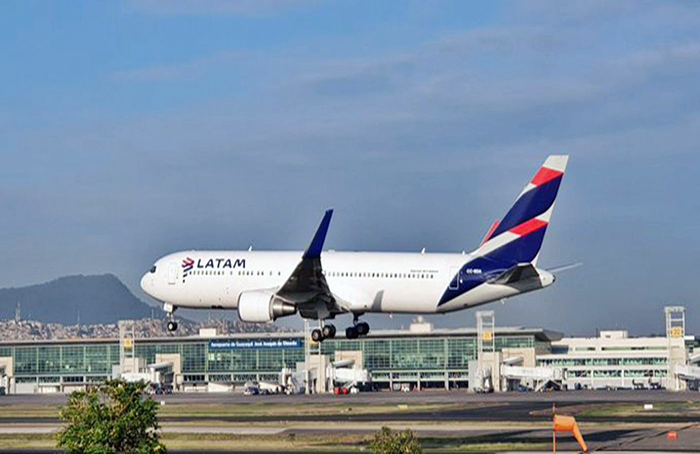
320 285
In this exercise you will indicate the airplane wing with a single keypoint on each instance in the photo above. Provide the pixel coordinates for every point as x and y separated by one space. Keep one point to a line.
306 286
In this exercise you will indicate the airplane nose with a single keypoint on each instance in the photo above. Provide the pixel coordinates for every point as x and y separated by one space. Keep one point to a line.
146 283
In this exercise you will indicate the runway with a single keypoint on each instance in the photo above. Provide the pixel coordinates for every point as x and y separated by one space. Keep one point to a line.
463 406
441 419
427 396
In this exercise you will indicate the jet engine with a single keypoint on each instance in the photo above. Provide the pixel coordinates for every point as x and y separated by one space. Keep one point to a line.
262 307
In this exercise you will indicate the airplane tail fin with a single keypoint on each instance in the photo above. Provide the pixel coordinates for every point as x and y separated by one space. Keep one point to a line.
518 236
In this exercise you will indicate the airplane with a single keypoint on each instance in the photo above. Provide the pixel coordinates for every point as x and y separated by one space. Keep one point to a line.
320 285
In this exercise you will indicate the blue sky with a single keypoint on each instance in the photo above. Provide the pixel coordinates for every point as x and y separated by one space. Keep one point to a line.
132 129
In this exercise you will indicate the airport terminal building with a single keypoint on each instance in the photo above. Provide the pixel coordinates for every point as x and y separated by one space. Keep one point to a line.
487 357
420 356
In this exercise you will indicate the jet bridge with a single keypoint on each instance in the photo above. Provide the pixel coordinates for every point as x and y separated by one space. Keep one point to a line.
688 372
318 374
542 377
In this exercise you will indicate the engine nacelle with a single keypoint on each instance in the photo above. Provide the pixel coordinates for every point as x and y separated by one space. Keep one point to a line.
262 307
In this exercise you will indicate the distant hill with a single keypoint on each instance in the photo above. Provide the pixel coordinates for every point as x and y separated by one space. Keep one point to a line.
98 299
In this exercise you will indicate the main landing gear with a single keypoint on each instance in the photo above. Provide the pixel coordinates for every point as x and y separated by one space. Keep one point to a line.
353 332
357 330
325 332
170 310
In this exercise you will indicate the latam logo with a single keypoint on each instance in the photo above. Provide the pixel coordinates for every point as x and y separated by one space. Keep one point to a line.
216 264
221 263
187 266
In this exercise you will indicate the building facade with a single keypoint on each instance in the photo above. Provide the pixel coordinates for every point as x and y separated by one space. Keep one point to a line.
420 357
613 360
511 358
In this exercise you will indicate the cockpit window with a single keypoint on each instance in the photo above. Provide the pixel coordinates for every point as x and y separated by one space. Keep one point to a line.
152 270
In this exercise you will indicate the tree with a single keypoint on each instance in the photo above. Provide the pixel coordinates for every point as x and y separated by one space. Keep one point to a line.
112 418
387 442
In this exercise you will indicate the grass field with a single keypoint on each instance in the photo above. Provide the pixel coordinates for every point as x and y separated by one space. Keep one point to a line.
9 442
660 410
287 443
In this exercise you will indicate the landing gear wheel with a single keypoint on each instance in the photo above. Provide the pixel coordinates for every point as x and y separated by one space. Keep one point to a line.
170 311
362 328
317 335
328 331
351 332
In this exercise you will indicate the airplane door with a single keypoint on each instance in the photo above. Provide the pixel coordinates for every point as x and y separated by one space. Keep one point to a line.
454 273
172 273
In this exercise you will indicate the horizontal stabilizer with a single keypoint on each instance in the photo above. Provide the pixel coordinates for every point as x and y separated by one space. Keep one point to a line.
519 272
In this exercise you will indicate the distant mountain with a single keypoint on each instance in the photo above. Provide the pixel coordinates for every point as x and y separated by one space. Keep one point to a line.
95 299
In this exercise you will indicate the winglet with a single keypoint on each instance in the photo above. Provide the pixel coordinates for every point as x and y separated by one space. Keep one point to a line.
316 246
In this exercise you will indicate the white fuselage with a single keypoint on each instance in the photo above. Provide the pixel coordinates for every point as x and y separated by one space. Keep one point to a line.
361 281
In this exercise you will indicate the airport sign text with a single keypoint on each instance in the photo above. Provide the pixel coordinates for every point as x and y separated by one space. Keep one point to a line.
233 344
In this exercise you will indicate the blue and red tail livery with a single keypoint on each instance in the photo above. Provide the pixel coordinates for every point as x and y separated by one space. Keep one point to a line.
516 239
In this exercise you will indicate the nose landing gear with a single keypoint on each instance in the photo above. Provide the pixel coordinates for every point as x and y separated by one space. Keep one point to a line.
170 310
